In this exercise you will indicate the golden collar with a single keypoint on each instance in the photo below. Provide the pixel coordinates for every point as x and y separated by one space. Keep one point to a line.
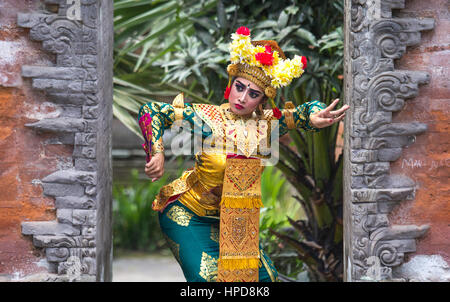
229 115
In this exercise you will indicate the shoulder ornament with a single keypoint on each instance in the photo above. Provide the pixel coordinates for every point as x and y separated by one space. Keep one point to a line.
178 106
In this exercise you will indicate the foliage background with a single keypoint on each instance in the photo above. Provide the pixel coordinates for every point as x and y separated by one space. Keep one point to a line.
164 47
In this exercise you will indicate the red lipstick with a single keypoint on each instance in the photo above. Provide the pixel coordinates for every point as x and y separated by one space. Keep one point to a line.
237 106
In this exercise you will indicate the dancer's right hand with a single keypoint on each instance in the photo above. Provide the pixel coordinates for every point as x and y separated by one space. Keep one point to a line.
155 168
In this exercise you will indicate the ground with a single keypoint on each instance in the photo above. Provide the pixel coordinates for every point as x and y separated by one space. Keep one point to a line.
147 268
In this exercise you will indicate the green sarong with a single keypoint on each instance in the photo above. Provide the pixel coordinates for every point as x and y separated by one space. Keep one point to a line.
194 241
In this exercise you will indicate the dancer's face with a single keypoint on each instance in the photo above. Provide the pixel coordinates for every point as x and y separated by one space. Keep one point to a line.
245 96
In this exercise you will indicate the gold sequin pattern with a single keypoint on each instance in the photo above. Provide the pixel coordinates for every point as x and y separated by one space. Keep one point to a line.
180 216
208 268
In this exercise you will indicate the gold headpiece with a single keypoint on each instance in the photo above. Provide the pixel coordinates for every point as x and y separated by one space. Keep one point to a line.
262 62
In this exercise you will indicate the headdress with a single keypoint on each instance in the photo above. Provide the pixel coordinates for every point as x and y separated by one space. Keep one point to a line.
262 62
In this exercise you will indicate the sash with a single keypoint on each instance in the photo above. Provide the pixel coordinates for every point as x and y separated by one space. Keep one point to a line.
239 256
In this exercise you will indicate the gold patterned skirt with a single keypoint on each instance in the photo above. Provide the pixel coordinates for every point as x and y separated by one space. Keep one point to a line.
194 241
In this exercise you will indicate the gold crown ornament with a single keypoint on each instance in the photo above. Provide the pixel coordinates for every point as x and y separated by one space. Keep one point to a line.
262 62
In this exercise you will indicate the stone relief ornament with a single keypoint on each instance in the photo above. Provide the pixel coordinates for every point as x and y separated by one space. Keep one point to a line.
375 89
79 34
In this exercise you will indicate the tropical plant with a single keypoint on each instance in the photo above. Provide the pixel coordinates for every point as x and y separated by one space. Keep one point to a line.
135 224
278 200
164 47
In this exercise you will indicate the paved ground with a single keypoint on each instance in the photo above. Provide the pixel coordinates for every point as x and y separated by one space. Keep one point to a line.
147 268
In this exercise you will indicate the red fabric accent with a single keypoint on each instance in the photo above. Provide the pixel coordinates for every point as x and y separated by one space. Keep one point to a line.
229 155
226 95
276 113
171 200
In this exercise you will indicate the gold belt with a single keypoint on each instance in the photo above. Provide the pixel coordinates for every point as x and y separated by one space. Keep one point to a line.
189 187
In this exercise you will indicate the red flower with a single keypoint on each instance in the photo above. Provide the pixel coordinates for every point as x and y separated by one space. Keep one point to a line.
304 62
264 58
276 112
243 31
268 48
226 95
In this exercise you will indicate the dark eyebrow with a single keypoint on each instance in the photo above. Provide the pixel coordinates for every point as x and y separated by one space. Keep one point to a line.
252 90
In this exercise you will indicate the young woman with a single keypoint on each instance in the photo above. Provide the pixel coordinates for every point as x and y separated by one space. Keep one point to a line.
210 215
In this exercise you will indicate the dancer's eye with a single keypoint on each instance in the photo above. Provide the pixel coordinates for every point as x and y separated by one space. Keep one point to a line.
254 95
239 87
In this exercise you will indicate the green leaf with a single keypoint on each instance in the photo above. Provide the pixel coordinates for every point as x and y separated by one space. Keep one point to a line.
306 35
163 10
282 20
125 117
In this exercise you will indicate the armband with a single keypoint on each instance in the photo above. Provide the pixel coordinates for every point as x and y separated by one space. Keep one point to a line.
178 106
289 115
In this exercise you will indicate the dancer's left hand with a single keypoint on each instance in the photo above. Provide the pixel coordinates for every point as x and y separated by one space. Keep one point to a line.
327 116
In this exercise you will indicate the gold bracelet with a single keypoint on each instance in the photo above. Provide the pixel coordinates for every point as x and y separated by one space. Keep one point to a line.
158 146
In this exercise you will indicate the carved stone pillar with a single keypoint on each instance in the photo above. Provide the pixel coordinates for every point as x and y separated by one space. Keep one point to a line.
80 34
375 89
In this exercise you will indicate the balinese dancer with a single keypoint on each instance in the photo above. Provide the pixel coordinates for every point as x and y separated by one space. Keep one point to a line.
210 215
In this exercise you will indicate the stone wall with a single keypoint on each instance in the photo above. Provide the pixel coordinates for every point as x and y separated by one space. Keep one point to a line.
380 192
427 162
55 149
24 157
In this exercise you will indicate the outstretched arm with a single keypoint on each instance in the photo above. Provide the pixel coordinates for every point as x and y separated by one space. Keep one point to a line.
311 116
298 117
327 116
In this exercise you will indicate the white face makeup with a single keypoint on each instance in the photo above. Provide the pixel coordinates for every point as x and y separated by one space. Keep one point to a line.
244 96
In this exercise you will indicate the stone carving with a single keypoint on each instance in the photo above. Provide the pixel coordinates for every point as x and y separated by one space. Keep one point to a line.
79 34
375 90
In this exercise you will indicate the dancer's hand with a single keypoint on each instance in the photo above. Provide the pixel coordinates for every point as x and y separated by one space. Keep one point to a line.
155 168
327 116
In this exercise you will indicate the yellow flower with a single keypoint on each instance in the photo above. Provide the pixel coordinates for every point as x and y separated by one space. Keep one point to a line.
281 72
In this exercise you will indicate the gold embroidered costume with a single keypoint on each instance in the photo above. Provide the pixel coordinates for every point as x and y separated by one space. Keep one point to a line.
225 181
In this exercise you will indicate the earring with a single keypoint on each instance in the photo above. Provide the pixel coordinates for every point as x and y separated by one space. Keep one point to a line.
259 109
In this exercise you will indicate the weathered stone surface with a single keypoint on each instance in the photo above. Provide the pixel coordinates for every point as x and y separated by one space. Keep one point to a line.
61 73
85 139
55 189
83 151
85 164
74 202
423 268
64 215
64 241
59 125
84 217
80 83
57 254
71 177
375 89
48 228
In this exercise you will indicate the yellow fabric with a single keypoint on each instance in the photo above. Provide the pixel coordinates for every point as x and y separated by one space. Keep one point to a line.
201 192
239 219
234 264
231 186
199 198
